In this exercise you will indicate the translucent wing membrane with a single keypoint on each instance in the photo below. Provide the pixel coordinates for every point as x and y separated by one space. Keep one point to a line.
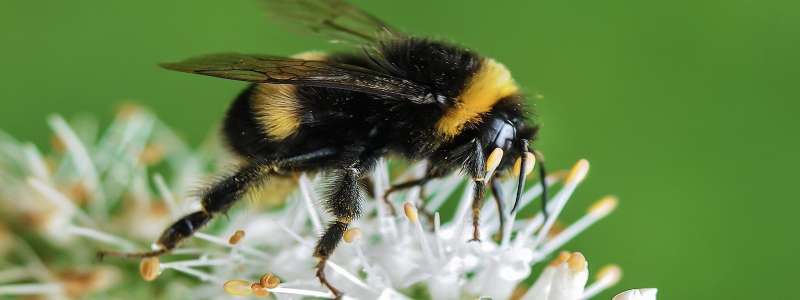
282 70
334 19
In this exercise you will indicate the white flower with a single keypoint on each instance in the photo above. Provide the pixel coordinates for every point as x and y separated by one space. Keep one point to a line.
383 257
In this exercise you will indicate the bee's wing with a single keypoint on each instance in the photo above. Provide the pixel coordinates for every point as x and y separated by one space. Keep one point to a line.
334 19
281 70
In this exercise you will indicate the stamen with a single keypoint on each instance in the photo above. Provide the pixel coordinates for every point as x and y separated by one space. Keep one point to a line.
306 191
442 191
236 237
562 257
530 162
386 222
411 212
237 287
352 235
578 172
437 229
575 176
152 154
419 233
608 276
597 211
31 289
166 195
36 162
269 281
223 242
203 276
99 236
300 292
60 200
576 262
150 268
200 262
492 162
604 206
349 276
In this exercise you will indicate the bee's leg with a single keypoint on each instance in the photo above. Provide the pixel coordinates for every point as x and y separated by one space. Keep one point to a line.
217 199
343 200
402 186
430 173
221 196
477 202
477 168
497 193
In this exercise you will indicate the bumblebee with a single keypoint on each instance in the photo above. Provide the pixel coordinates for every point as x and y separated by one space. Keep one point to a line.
413 97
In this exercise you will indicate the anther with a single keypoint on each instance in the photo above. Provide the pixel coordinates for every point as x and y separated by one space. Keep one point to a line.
411 212
576 262
604 206
269 281
562 257
610 273
578 172
492 162
236 237
237 287
352 234
530 162
150 268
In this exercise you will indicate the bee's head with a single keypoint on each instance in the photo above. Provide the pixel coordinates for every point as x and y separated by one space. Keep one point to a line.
507 140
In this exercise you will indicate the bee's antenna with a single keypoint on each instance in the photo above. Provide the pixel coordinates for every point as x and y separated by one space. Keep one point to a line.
524 167
542 181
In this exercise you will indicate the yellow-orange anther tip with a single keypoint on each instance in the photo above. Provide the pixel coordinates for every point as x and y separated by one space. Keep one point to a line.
577 262
562 257
127 110
237 287
236 237
604 206
352 235
411 211
493 161
150 268
610 273
578 171
530 162
269 281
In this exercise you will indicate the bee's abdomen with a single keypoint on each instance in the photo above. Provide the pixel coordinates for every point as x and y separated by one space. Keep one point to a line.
241 128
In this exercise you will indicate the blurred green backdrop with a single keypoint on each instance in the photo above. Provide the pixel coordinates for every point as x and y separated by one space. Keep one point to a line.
686 109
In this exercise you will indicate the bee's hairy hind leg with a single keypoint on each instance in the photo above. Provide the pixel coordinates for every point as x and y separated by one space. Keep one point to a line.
343 200
218 199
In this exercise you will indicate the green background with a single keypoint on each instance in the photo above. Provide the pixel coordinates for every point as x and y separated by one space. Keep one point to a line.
686 109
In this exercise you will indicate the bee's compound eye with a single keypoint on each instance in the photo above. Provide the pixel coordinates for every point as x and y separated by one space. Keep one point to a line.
503 132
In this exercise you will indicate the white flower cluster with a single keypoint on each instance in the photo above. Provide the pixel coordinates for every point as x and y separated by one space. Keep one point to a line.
101 189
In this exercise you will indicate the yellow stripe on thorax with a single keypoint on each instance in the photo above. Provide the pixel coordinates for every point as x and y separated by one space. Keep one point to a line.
491 83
